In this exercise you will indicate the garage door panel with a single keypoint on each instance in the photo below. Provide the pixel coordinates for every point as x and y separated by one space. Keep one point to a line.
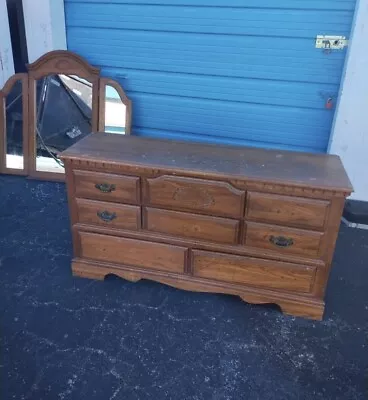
247 21
228 140
198 42
286 64
225 68
294 94
234 113
285 4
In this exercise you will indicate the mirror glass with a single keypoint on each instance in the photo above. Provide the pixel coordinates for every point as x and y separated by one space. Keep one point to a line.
14 127
114 111
63 117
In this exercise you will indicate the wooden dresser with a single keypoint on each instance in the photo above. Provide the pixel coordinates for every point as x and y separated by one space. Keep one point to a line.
259 224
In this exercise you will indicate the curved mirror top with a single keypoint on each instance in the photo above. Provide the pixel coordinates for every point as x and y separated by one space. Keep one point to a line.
115 111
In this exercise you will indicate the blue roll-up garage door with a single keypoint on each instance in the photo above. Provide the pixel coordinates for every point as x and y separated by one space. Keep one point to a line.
242 72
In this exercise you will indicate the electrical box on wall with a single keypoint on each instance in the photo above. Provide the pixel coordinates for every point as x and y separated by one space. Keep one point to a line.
331 42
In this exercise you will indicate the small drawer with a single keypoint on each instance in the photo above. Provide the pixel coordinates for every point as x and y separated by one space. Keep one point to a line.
118 216
253 272
131 252
286 210
283 240
106 187
203 227
197 195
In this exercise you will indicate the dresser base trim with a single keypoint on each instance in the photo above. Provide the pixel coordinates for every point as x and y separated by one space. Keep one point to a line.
290 304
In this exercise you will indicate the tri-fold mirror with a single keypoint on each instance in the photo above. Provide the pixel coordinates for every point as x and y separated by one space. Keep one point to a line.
59 101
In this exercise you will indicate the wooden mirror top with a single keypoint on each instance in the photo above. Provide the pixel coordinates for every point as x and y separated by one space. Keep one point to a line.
41 155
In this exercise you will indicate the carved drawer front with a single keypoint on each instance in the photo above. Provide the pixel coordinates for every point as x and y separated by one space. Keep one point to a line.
253 271
106 187
286 210
198 195
110 215
283 240
131 252
203 227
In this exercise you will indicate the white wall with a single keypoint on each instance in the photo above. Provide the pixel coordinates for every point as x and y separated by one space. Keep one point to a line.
6 52
349 137
45 27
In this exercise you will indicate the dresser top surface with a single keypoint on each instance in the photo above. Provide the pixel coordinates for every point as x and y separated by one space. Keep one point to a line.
305 169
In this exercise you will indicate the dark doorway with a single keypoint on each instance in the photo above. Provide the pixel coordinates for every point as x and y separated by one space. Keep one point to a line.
17 33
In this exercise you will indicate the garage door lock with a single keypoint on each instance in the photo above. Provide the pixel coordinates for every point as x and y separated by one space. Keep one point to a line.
331 42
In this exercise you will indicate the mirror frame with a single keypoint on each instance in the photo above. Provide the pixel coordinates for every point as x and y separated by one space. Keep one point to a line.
5 91
54 62
124 99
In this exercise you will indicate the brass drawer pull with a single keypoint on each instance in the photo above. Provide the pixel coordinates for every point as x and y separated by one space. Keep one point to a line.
281 241
105 187
106 216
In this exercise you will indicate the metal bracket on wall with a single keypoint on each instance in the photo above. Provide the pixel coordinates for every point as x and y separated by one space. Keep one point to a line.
331 42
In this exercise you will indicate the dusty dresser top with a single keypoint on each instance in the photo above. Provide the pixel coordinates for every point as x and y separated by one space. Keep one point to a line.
301 169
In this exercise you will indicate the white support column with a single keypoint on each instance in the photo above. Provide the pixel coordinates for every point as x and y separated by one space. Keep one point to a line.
6 52
349 138
44 22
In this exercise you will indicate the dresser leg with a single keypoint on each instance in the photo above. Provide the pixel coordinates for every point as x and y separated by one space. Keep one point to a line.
85 270
312 310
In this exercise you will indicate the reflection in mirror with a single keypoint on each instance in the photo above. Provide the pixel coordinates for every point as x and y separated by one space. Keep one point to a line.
115 111
63 117
14 127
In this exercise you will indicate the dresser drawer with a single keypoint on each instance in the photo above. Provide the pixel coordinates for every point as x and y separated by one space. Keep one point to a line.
253 272
286 210
203 227
118 216
106 187
198 195
131 252
283 240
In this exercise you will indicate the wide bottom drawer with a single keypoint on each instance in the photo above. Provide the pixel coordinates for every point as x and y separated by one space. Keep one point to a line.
131 252
253 272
